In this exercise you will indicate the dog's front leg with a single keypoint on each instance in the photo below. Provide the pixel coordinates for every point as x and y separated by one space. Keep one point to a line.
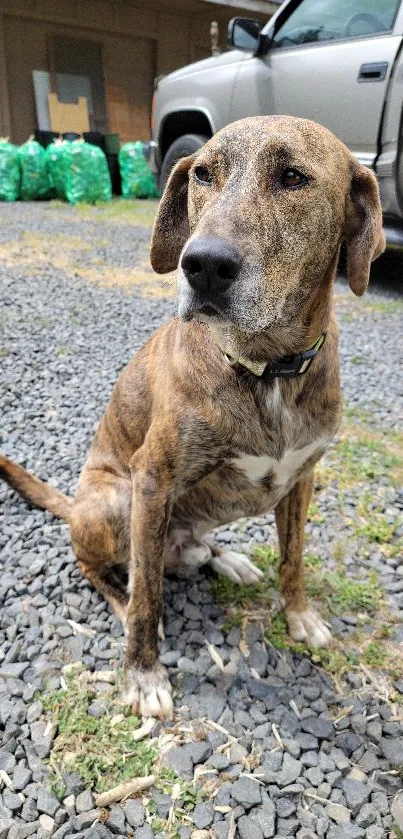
146 682
303 622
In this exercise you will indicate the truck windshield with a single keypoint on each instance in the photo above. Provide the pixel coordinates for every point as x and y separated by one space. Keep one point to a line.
335 20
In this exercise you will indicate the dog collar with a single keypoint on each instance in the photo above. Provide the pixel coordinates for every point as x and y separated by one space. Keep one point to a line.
287 367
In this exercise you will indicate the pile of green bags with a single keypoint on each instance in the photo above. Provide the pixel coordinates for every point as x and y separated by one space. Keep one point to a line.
137 180
10 173
78 172
73 171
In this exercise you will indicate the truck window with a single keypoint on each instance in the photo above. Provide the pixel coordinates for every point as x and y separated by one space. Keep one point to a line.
335 20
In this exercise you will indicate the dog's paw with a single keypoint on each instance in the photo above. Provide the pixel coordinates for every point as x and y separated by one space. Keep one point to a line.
237 567
308 626
149 692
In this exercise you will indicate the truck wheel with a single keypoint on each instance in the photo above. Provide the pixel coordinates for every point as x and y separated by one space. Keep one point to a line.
182 147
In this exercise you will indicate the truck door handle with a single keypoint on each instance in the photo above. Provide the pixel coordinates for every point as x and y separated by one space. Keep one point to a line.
375 72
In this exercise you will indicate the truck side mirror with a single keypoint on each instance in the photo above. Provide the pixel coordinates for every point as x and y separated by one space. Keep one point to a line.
244 33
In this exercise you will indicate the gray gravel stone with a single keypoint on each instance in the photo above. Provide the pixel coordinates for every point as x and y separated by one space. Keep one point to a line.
319 727
116 819
85 820
7 761
266 817
356 794
21 777
5 825
367 815
134 812
144 833
23 829
179 759
247 792
84 802
29 810
393 750
397 810
203 815
199 752
248 828
47 802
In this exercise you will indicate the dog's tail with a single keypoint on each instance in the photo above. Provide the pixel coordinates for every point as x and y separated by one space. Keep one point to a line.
34 490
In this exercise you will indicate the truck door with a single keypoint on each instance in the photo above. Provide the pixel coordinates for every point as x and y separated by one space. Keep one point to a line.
330 61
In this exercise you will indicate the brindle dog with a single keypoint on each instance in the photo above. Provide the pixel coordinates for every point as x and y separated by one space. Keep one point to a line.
201 429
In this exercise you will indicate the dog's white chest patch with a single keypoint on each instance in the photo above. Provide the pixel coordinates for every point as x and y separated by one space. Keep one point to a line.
256 467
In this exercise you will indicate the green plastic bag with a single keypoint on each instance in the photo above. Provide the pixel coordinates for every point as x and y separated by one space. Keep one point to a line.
78 172
56 157
137 179
34 172
88 177
10 172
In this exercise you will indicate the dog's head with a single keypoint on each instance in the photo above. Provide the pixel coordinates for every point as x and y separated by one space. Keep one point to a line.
256 219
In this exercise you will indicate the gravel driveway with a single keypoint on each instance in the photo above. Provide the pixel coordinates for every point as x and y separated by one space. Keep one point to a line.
269 739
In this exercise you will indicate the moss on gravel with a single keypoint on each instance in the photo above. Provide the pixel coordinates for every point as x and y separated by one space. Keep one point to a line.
101 750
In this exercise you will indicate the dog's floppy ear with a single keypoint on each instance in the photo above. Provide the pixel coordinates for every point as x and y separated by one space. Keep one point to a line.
365 238
171 225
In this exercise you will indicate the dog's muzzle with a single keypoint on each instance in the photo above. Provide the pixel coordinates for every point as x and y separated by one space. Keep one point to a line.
210 266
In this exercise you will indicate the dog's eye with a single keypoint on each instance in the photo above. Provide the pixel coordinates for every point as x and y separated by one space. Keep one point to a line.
292 179
202 175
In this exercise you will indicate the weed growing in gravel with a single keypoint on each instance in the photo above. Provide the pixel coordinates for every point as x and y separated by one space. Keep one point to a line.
184 796
343 594
277 633
186 790
375 655
101 750
334 661
314 513
362 459
234 619
374 525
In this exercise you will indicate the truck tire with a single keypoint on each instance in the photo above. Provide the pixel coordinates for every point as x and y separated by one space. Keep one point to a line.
182 147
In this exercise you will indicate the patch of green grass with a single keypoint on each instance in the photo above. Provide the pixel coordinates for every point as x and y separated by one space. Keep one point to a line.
229 593
313 561
353 414
339 551
375 655
361 458
134 211
101 750
276 632
265 557
234 619
358 359
377 528
188 794
334 661
386 307
3 352
343 594
184 795
364 459
314 514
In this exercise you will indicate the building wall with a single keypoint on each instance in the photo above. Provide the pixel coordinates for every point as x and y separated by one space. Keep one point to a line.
139 41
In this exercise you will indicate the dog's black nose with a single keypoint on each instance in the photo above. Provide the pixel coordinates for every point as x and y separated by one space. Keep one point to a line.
211 264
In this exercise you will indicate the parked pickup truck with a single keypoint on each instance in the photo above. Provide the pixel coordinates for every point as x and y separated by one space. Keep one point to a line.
334 61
